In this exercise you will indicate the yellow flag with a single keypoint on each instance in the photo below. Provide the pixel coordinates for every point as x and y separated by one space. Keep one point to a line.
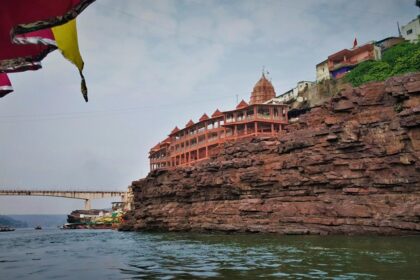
66 39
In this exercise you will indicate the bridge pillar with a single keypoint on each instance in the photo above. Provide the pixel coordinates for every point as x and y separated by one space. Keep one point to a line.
88 204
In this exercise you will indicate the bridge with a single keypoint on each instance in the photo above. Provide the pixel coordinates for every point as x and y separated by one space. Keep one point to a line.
87 196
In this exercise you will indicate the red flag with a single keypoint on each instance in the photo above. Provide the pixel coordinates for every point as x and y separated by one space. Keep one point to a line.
5 85
26 31
355 43
19 17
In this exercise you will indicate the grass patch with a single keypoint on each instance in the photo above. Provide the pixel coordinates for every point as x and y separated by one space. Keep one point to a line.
400 59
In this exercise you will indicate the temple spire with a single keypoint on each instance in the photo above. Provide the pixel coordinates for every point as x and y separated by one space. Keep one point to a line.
263 91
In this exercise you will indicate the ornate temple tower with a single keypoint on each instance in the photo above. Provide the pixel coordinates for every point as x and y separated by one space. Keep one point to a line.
263 91
204 139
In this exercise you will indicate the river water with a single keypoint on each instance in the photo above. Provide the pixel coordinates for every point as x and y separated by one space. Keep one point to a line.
106 254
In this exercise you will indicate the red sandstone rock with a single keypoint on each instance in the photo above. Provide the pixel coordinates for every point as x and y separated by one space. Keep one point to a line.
350 166
343 105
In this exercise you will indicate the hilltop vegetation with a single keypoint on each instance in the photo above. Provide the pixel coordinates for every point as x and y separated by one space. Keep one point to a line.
41 220
8 221
400 59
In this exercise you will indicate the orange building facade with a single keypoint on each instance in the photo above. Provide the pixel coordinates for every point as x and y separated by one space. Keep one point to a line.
199 141
343 61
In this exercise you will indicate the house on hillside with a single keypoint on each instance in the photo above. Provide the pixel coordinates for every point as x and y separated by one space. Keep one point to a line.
322 71
343 61
293 93
411 31
388 42
338 64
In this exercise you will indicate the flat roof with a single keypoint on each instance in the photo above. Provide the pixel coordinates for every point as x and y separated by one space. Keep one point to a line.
354 51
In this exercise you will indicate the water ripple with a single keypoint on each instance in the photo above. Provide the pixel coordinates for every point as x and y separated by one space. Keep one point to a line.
88 254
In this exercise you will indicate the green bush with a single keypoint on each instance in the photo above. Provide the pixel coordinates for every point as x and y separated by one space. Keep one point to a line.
400 59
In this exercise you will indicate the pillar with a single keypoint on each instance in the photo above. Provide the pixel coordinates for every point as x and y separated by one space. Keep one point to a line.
88 204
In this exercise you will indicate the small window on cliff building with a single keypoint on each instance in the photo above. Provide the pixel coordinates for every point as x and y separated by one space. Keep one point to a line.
409 31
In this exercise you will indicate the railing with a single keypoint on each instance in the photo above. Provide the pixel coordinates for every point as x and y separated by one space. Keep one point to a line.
191 136
264 116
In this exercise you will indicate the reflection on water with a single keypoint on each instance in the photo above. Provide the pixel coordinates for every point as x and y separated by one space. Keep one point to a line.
84 254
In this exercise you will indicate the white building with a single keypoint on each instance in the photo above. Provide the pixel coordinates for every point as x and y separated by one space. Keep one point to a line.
304 85
288 95
291 94
411 31
322 72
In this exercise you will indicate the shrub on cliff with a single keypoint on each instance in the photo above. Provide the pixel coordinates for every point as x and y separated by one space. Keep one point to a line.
400 59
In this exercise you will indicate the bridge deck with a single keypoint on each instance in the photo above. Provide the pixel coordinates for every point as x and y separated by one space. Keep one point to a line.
85 195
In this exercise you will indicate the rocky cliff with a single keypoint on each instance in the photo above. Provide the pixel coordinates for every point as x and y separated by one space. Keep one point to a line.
350 166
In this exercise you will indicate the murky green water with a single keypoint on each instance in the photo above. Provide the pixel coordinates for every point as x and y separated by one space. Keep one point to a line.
84 254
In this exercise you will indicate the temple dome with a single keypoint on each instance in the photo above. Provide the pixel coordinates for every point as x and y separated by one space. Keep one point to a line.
263 91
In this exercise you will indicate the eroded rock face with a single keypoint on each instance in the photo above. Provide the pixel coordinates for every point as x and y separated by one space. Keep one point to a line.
350 166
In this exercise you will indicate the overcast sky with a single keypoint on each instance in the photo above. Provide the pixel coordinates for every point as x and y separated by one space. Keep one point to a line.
152 65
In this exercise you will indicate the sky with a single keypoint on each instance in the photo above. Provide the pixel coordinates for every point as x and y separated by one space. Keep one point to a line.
154 65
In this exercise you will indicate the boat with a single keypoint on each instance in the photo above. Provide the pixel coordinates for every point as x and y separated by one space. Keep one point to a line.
38 227
6 228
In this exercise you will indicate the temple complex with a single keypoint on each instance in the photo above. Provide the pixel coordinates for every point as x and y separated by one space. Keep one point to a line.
198 141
